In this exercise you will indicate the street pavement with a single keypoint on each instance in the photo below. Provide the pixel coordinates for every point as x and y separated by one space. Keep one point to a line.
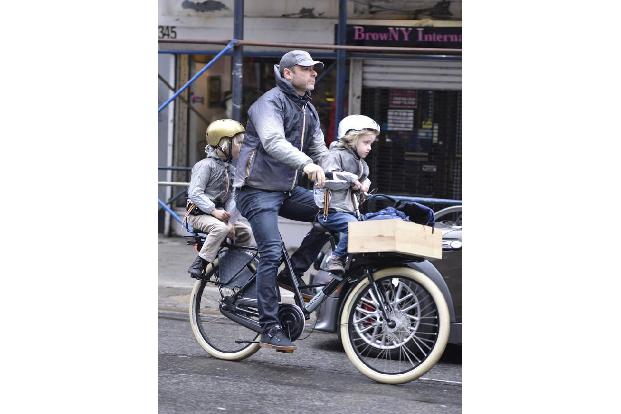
317 376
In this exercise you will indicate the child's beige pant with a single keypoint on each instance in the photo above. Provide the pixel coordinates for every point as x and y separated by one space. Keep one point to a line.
216 233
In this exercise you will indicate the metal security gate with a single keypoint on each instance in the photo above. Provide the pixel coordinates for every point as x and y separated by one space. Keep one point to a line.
412 74
418 105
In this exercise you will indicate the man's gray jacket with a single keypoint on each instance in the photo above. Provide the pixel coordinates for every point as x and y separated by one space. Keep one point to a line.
211 183
282 136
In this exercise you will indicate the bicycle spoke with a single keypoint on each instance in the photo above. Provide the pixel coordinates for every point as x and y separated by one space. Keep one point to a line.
417 340
374 299
406 350
365 318
359 309
409 307
366 329
415 318
398 301
370 302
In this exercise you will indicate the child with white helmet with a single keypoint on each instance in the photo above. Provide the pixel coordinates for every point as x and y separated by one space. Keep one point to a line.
345 161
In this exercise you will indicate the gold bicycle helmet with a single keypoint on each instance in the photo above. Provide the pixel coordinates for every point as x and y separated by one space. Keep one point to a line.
222 128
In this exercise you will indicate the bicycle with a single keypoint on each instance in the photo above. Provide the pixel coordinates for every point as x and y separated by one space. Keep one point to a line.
394 325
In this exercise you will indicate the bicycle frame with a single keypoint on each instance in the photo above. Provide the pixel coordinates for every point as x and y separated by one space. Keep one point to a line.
360 266
307 309
363 265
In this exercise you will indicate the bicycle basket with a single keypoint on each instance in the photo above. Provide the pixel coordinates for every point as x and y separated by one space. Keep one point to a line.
416 212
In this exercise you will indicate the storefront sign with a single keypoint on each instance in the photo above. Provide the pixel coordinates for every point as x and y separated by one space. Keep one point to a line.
425 133
400 36
402 98
400 120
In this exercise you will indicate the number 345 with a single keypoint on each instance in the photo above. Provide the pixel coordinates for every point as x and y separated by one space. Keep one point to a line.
167 32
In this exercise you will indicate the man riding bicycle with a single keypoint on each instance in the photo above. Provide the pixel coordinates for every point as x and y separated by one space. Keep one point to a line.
282 137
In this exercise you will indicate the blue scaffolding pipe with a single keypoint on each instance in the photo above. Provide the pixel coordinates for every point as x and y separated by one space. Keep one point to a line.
198 74
175 197
170 211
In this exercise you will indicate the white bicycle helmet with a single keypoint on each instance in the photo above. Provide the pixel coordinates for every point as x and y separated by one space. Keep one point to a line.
356 123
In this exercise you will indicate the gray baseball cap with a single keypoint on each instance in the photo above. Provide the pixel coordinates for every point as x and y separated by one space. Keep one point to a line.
298 57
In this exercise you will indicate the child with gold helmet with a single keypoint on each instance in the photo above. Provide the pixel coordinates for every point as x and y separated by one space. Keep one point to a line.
211 205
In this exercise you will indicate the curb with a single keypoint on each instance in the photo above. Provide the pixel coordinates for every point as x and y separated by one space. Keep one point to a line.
169 314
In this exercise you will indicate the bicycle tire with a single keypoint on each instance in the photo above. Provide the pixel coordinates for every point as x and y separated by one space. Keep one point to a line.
421 332
214 332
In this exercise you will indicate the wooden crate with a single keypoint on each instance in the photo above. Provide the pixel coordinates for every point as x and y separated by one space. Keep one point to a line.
394 236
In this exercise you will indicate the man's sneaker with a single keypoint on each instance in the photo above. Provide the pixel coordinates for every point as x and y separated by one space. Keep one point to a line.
275 338
336 264
284 282
197 267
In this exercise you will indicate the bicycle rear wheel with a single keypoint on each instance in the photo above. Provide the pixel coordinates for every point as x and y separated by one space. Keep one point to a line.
413 338
216 333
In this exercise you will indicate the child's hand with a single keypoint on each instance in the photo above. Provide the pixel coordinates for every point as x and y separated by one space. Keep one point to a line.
221 215
365 187
356 185
231 234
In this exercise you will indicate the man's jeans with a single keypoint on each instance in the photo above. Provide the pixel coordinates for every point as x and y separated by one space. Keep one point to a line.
337 222
262 209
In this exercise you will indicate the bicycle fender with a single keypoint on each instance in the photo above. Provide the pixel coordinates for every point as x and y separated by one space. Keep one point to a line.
430 271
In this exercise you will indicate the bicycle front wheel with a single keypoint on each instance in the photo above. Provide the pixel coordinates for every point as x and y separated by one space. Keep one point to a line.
216 333
412 339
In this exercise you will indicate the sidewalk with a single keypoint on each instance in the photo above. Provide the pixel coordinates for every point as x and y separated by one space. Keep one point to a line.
174 284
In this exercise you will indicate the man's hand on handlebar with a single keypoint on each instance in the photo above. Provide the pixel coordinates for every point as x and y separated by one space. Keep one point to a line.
315 173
